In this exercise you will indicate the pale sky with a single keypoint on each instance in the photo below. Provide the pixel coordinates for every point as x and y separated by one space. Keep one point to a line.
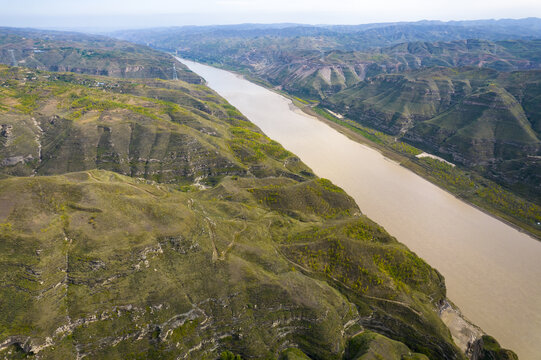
146 13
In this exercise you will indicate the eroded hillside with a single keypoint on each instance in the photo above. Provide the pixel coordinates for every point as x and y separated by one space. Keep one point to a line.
87 54
219 240
482 119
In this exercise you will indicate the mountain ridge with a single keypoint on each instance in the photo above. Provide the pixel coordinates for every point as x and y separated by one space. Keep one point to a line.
99 264
87 54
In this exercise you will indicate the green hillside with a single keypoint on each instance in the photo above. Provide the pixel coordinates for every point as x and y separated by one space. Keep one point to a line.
219 241
106 266
482 119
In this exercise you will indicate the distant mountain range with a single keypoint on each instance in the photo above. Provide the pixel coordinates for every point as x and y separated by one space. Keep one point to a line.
342 37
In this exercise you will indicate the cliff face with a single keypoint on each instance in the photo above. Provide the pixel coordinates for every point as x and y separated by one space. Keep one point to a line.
487 348
218 240
70 123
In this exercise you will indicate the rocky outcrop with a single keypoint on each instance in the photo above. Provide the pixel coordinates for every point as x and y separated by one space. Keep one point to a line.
487 348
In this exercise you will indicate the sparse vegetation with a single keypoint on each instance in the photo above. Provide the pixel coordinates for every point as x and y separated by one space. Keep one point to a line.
190 255
169 226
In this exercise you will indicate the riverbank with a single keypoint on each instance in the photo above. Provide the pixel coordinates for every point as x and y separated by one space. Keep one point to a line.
464 333
466 185
411 162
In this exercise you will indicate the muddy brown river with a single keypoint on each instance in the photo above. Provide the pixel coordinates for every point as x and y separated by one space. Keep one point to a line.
492 271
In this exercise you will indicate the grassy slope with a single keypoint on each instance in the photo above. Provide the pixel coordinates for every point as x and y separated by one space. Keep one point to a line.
268 257
165 131
99 260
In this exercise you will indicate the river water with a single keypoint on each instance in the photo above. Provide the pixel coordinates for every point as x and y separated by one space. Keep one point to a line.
492 271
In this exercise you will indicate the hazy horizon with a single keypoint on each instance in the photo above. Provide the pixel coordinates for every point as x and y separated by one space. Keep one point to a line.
111 15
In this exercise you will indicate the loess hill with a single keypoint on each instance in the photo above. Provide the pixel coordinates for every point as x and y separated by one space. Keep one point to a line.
480 118
87 54
317 61
170 227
